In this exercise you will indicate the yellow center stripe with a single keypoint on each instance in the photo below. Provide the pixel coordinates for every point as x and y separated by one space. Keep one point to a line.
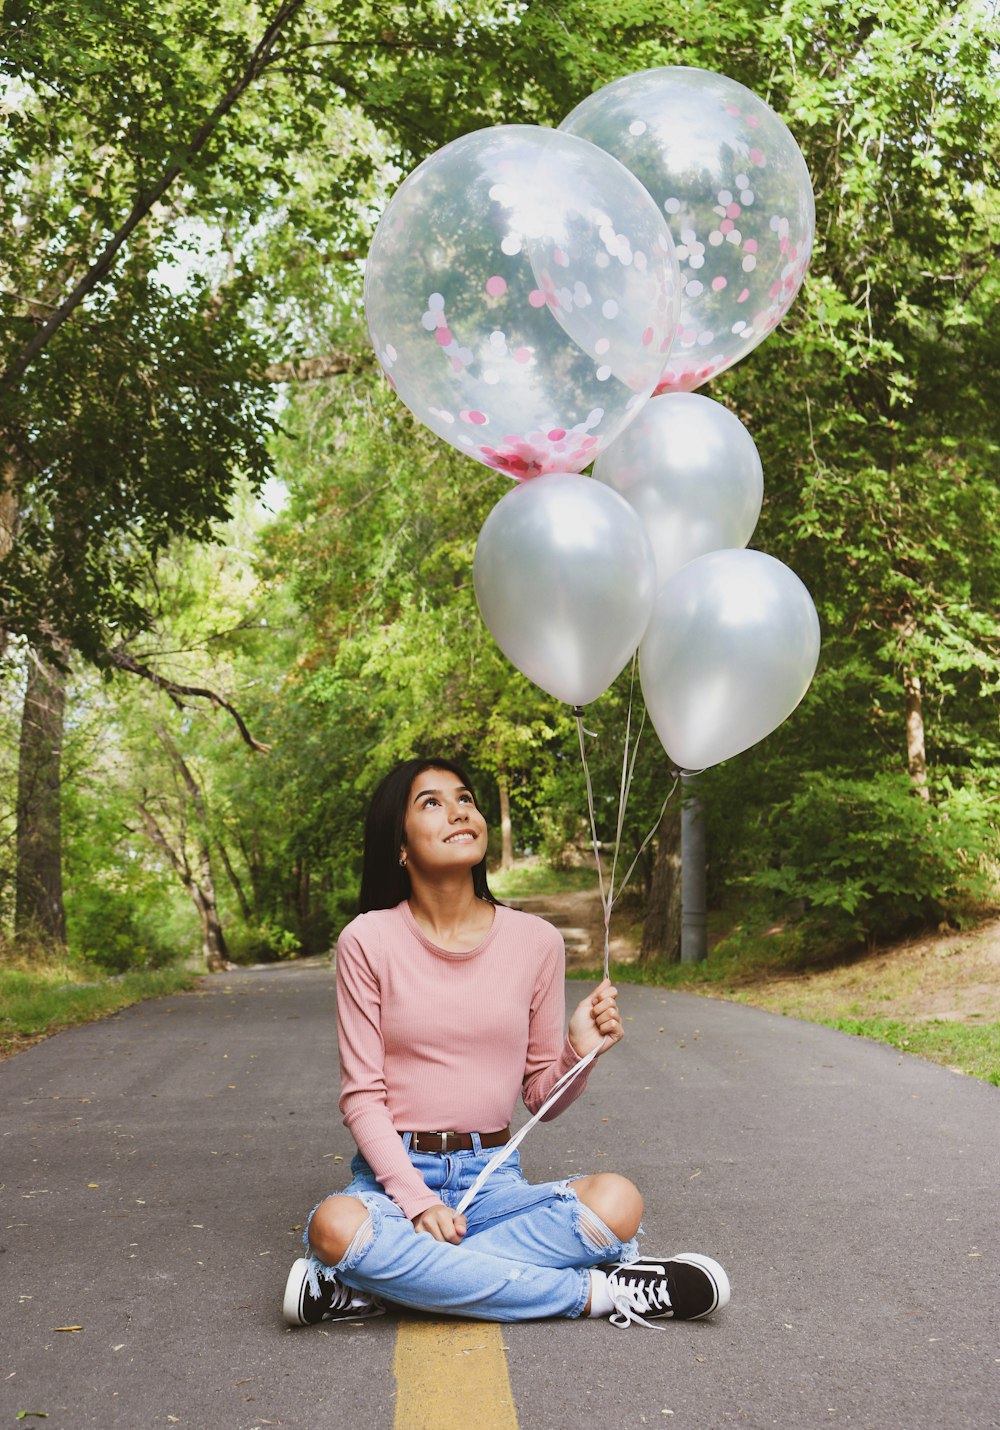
445 1368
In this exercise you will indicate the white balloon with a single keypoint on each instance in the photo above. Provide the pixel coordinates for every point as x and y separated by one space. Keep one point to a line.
729 652
691 470
565 579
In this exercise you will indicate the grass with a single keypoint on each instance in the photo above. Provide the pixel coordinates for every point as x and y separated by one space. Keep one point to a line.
531 876
968 1048
44 998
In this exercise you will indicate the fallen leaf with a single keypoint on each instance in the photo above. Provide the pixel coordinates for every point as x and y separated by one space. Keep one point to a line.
42 1414
67 1328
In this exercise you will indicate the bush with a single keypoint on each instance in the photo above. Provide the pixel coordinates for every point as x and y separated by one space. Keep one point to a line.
264 942
107 928
869 858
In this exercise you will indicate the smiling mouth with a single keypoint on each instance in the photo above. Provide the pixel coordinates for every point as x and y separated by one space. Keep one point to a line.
464 835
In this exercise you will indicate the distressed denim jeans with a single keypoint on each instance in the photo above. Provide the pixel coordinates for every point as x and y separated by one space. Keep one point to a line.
525 1255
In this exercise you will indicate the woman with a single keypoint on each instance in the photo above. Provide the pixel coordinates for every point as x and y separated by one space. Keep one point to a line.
448 1006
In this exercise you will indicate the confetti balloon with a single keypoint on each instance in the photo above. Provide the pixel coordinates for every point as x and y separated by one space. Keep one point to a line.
735 189
691 470
522 295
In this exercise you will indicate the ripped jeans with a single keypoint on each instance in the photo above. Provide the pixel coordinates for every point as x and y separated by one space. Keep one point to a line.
525 1255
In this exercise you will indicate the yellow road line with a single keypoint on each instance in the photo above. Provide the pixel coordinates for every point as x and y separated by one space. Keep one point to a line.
451 1375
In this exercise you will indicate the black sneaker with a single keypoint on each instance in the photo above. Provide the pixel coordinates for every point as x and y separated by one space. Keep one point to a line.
684 1287
334 1302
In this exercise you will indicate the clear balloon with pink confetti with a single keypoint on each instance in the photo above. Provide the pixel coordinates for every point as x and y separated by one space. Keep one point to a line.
522 295
734 187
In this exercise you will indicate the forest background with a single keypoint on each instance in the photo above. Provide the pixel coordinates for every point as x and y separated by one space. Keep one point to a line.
235 575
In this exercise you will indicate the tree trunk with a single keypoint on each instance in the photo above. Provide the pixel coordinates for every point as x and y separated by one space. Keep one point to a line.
8 524
661 927
694 874
200 886
213 941
916 748
38 884
506 836
234 881
200 890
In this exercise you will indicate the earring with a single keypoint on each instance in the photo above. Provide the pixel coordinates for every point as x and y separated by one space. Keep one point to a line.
402 861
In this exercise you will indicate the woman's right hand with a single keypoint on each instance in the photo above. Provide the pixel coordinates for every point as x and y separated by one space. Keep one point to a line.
441 1223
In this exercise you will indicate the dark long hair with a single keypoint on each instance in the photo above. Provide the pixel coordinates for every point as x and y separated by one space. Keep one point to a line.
383 883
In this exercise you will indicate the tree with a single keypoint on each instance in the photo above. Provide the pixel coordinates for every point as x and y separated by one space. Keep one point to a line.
872 407
38 880
177 825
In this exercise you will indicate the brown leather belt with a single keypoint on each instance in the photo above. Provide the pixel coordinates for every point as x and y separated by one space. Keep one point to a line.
441 1143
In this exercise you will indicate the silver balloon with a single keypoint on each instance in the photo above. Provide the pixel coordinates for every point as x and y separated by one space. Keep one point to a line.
729 652
691 470
565 579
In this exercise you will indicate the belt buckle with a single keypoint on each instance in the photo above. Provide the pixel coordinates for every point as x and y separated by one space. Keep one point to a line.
444 1142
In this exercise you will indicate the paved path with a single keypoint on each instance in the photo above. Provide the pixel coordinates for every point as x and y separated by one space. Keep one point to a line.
154 1168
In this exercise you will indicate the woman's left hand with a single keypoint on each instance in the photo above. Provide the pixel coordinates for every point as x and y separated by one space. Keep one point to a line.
595 1019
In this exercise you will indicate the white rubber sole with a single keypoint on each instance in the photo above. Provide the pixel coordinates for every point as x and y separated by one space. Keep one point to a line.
291 1306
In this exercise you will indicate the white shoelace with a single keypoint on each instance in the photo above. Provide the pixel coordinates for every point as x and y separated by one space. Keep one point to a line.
343 1297
630 1299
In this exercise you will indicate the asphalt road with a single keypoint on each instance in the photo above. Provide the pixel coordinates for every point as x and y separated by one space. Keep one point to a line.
154 1168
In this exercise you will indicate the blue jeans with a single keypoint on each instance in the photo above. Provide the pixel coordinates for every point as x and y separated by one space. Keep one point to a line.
525 1255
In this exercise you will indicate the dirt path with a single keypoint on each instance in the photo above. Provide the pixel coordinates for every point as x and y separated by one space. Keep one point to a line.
950 975
954 976
579 917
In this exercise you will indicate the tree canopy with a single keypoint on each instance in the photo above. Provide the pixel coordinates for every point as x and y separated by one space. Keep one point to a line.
188 194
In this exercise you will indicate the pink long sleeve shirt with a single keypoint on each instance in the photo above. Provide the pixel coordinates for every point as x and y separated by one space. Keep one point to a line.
432 1040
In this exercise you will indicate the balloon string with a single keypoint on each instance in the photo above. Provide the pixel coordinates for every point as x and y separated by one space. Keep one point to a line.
605 899
629 757
558 1089
622 794
645 842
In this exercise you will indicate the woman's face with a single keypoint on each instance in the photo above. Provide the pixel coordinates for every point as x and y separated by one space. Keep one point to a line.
443 829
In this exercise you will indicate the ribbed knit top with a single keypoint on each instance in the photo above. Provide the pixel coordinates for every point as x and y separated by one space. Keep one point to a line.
434 1040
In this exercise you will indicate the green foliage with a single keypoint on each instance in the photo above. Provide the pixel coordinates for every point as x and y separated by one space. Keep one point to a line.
869 858
356 639
261 943
110 933
530 877
123 910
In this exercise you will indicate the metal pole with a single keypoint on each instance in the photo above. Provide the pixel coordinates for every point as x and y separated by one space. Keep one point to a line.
694 915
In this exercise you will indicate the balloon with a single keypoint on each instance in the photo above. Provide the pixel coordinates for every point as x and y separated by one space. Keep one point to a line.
522 295
737 195
565 580
729 652
691 470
